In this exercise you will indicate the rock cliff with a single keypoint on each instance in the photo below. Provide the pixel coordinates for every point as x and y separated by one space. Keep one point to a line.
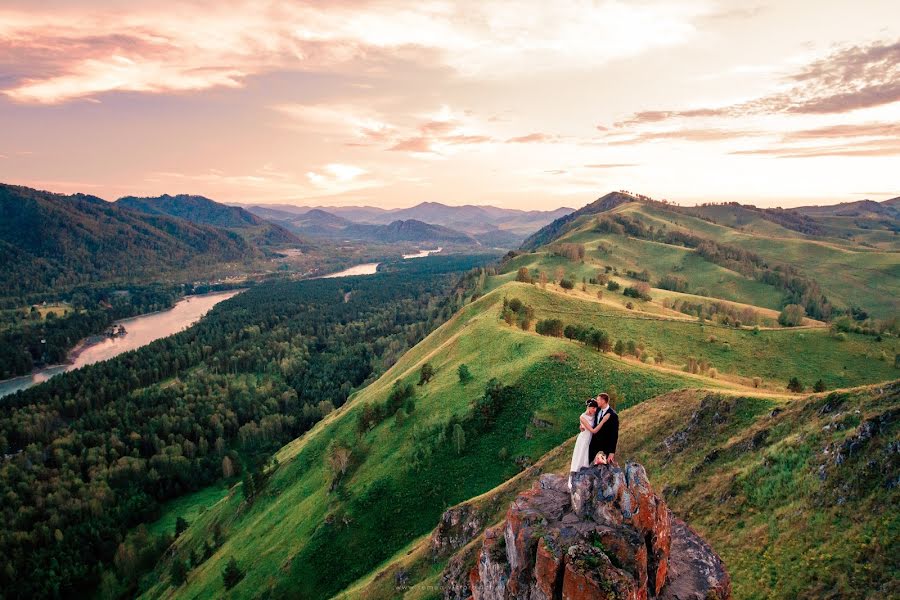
610 537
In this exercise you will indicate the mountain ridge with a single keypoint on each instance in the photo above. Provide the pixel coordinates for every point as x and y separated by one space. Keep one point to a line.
53 241
205 211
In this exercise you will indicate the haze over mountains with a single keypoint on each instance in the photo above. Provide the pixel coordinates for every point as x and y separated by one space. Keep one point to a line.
489 225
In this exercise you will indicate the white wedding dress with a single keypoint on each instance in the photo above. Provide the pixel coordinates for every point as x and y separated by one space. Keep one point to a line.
580 457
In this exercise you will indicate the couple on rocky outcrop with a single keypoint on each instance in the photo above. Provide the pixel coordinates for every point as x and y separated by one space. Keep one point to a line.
596 444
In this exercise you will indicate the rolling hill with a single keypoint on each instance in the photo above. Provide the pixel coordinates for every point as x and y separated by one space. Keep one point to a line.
203 211
52 242
319 528
743 259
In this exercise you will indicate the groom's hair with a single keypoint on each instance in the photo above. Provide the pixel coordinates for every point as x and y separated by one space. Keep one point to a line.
604 396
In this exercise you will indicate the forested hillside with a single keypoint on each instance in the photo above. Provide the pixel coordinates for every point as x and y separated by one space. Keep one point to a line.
204 211
50 242
94 452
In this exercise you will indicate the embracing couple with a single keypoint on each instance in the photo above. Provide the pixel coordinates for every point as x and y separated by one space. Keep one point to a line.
596 444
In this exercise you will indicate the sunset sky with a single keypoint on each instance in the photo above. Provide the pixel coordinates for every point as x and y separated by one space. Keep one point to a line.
525 105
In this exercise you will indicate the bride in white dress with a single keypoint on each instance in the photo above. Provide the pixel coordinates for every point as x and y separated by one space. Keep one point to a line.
581 455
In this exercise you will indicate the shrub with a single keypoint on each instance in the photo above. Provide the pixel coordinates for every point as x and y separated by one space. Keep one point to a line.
179 572
465 375
619 348
574 252
180 525
426 373
631 348
566 284
819 386
551 327
613 285
791 315
232 574
523 276
794 385
641 291
629 305
676 283
757 382
713 373
659 357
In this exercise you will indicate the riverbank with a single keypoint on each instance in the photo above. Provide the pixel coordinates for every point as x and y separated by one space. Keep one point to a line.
140 331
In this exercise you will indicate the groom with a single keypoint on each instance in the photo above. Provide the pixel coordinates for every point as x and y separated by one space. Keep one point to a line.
607 438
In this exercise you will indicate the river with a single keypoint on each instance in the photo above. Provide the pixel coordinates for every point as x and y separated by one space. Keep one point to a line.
423 253
372 268
140 331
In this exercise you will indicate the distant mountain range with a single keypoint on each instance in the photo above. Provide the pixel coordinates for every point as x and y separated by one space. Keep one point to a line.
322 224
52 241
490 225
861 208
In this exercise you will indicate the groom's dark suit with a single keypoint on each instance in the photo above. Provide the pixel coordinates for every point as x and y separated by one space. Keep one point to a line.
607 438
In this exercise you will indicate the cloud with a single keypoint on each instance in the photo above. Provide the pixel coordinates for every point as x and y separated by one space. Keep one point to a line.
58 53
848 79
531 138
687 135
610 165
877 129
869 148
415 144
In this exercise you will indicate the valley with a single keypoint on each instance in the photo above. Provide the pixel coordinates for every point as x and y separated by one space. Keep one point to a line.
311 433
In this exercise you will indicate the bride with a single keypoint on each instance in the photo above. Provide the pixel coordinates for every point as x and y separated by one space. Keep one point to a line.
580 457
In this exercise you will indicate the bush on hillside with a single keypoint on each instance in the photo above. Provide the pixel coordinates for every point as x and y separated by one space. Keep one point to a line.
641 291
566 284
426 373
574 252
791 315
465 375
613 285
794 385
675 283
232 574
551 327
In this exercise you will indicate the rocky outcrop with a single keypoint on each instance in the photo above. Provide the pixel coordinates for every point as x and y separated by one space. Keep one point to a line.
610 537
459 525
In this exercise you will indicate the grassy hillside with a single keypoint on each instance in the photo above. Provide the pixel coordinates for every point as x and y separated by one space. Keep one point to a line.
311 533
850 275
797 495
299 539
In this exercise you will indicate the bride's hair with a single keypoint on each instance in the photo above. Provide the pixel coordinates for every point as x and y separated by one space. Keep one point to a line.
592 404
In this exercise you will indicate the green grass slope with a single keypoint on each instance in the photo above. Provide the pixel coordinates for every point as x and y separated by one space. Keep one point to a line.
854 275
301 540
797 495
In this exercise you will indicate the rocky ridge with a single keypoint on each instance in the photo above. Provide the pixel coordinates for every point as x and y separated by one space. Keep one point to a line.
609 537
